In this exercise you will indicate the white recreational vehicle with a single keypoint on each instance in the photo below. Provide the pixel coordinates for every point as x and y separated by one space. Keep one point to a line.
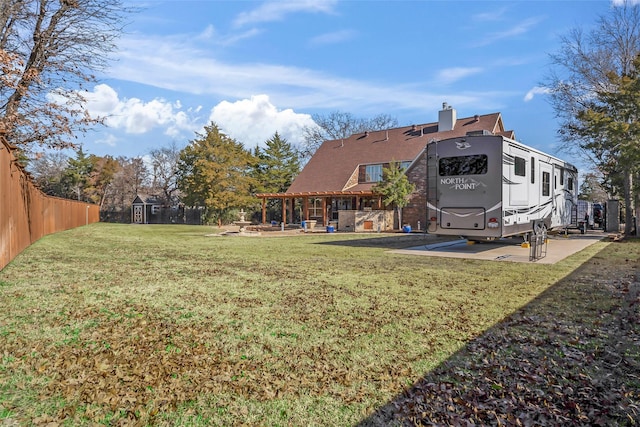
485 186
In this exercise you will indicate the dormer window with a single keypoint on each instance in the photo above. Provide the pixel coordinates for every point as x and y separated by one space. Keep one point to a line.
373 173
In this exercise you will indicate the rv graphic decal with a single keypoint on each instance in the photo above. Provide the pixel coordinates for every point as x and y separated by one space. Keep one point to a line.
462 183
509 182
462 145
528 210
498 206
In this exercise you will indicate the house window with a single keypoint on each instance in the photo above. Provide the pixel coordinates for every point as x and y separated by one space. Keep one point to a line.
315 208
405 165
546 183
373 173
520 166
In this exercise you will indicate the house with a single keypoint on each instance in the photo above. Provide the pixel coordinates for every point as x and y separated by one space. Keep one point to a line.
336 186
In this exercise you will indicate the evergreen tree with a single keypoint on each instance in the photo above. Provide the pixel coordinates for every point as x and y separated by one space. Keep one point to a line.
395 188
276 167
76 176
214 173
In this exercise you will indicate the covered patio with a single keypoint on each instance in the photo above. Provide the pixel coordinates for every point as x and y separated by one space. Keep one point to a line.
324 207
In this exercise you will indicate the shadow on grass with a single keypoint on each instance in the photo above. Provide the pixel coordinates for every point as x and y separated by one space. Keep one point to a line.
405 240
391 240
570 357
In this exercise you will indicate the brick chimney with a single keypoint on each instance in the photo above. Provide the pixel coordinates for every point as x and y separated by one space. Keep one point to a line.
446 118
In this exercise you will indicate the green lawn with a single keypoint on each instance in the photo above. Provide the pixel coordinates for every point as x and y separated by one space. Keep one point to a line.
167 325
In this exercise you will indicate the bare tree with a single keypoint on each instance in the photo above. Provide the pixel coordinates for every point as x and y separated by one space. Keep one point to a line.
48 172
50 51
338 125
164 161
130 178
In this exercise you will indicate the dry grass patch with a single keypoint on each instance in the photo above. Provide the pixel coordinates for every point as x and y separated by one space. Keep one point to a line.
123 324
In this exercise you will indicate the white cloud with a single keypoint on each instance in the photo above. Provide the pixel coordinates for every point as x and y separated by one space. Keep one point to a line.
109 140
253 121
493 15
451 75
516 30
177 63
207 33
537 90
102 101
276 10
178 66
135 116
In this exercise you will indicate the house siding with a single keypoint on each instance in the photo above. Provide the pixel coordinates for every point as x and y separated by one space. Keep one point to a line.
353 181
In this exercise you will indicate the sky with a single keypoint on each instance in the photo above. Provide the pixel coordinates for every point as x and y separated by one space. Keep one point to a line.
259 67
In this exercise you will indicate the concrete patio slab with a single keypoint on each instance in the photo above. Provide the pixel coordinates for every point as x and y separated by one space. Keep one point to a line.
510 250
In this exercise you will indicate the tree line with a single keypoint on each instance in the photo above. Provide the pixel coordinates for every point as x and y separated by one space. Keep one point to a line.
213 172
594 87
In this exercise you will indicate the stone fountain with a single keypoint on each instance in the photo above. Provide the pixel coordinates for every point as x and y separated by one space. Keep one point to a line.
242 223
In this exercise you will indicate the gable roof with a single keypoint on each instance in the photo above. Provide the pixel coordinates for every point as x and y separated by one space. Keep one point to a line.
332 167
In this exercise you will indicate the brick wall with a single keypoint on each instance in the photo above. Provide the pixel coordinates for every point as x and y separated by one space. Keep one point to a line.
416 210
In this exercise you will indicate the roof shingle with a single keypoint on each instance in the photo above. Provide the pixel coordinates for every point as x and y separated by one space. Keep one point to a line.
333 165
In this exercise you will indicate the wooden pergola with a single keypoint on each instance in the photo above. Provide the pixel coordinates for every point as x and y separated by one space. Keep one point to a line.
288 201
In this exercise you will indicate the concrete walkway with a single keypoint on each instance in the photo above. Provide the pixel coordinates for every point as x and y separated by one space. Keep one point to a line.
558 248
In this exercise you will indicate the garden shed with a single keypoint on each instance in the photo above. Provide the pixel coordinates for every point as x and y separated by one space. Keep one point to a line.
145 212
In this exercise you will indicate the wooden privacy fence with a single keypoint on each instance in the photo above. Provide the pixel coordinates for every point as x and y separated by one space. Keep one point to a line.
27 214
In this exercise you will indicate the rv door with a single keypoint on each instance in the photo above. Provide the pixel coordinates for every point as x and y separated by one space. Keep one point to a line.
546 194
518 184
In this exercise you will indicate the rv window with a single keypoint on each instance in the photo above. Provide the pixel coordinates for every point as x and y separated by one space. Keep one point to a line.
533 170
463 165
570 183
520 166
546 182
561 176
